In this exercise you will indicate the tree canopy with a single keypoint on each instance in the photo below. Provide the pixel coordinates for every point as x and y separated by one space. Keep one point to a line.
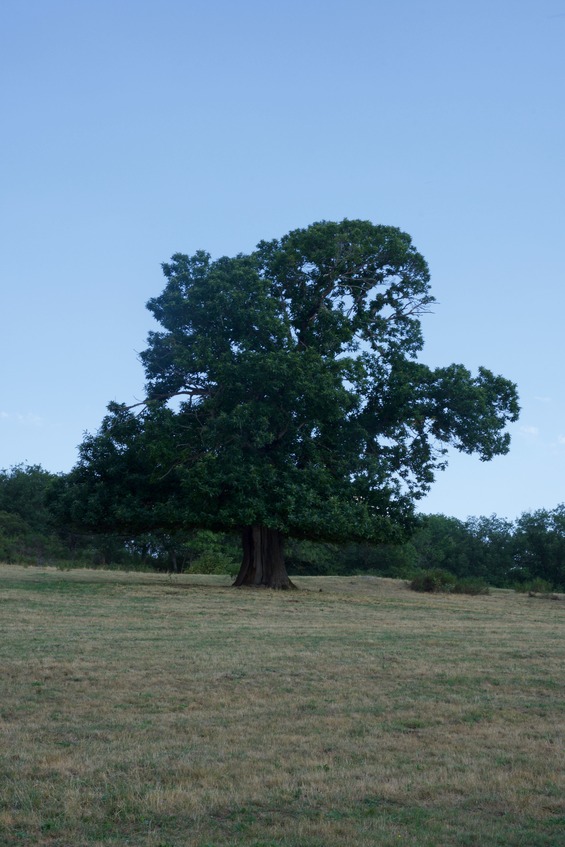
285 398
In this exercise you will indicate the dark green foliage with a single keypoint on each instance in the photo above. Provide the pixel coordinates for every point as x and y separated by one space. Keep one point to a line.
433 580
300 409
313 558
34 529
211 552
437 580
496 550
27 528
527 554
540 546
394 560
491 549
442 542
534 586
482 548
24 491
471 585
18 542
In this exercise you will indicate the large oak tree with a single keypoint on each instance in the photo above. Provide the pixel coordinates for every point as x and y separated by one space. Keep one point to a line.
285 398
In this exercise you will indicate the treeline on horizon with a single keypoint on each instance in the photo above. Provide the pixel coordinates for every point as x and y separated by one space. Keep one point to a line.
528 553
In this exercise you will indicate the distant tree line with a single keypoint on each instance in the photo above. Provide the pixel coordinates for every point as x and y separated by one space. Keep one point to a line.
34 530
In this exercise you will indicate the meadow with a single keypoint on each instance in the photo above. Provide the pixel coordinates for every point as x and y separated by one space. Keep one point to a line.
154 711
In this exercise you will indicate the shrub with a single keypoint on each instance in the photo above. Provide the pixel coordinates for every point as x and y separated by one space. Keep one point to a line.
216 562
437 580
471 585
535 586
433 580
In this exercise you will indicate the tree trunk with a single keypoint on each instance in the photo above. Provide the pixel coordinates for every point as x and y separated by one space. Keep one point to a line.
263 559
174 561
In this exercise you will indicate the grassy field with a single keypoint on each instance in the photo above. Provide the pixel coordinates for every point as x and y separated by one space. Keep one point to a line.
137 709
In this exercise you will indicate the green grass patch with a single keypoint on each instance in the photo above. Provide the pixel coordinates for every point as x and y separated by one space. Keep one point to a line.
138 709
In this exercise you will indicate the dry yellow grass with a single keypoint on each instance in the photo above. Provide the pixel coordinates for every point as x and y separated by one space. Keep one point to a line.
141 710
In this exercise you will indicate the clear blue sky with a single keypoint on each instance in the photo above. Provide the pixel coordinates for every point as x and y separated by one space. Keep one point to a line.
133 129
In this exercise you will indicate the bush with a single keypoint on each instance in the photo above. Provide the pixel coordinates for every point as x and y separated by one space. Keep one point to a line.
433 580
437 580
471 585
216 562
534 586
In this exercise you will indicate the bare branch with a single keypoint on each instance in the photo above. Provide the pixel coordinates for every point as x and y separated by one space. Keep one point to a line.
158 398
